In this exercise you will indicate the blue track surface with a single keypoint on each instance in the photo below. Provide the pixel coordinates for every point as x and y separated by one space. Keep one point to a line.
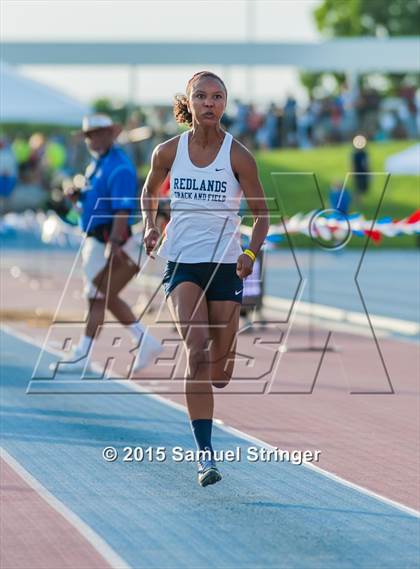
155 515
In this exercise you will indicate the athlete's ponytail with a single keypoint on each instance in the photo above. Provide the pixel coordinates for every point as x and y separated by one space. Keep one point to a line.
181 112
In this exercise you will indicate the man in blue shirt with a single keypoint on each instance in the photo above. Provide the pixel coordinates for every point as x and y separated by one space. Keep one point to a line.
107 205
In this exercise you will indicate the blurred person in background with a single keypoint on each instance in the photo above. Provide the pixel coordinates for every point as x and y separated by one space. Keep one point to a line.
409 113
22 152
339 198
8 173
37 146
305 122
255 122
336 119
360 168
29 191
240 120
368 111
290 122
110 254
387 123
55 155
267 134
348 97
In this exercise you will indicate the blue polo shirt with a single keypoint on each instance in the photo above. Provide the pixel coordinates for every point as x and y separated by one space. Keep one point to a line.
111 185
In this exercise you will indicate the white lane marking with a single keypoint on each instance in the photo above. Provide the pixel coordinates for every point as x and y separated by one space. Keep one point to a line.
356 322
342 327
397 325
87 532
330 475
231 430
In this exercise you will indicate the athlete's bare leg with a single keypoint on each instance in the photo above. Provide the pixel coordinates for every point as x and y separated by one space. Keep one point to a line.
109 283
95 316
188 307
115 276
223 327
121 310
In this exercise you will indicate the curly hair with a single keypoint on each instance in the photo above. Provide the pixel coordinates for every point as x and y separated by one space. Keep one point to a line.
181 112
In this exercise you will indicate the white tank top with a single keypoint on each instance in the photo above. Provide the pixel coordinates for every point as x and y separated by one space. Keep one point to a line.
204 225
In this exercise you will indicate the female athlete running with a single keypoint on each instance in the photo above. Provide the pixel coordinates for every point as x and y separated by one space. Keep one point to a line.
209 173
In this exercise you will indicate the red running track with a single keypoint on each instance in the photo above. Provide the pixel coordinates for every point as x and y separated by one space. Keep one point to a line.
35 535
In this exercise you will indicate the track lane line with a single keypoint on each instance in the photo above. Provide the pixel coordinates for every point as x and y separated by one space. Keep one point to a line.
236 432
99 544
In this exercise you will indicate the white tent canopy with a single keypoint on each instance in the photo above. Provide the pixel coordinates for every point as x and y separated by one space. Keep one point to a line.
406 162
23 100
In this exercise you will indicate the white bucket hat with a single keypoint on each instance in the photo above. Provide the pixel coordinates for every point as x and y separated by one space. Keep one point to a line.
98 121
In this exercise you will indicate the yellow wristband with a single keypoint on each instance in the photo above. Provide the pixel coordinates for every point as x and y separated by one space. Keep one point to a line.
250 254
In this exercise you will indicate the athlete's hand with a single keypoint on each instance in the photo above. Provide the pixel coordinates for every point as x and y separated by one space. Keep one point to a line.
244 266
151 237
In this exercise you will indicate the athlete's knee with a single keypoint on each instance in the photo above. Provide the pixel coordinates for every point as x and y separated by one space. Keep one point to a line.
197 357
197 354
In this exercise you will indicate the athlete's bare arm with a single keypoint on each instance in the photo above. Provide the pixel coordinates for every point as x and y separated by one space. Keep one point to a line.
245 169
162 159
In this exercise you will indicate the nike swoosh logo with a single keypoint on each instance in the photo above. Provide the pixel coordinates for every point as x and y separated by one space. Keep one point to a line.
219 169
238 291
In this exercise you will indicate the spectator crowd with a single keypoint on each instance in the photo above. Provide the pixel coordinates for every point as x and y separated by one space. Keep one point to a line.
32 168
328 120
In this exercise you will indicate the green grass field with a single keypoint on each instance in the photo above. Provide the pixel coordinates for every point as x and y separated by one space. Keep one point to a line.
295 184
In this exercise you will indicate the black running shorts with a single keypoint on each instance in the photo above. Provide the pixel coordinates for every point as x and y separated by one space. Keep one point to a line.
218 280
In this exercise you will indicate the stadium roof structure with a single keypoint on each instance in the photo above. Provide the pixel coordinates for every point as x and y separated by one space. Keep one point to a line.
357 55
